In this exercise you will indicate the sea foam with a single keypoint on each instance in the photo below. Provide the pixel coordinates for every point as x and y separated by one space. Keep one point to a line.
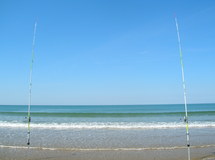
108 125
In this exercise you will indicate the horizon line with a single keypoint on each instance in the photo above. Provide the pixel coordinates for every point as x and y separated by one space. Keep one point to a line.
104 104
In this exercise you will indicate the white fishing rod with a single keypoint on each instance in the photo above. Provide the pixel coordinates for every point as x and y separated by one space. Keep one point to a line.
30 85
184 88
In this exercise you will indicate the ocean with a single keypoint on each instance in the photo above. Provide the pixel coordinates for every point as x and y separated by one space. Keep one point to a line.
107 131
108 116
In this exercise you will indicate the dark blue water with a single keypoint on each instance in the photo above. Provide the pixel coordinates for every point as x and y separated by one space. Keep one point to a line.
164 108
108 116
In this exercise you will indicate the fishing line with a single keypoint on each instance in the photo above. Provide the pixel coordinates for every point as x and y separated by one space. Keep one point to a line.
184 88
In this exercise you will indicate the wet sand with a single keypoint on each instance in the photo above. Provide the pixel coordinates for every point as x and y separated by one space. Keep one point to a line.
207 153
166 144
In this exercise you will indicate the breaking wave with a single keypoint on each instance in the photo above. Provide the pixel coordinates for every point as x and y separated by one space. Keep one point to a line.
108 125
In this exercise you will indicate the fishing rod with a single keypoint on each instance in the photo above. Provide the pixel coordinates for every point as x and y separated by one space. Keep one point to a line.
30 85
184 88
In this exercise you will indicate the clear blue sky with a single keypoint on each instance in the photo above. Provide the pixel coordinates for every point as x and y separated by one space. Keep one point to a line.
107 51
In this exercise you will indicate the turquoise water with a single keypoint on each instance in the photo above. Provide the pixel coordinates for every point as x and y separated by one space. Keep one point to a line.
164 108
108 116
116 126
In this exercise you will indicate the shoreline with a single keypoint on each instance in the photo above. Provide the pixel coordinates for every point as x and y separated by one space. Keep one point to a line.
174 154
104 149
50 144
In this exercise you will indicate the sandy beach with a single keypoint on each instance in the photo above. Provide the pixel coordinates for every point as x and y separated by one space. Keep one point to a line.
206 153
